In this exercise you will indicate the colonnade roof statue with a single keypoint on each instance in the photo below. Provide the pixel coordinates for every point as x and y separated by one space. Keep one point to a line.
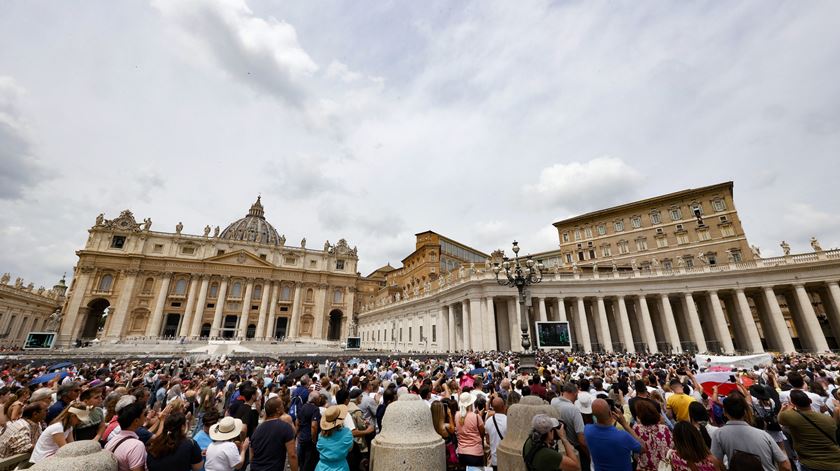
253 228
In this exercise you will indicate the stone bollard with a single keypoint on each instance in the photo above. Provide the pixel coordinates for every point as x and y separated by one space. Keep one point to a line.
408 441
84 455
509 453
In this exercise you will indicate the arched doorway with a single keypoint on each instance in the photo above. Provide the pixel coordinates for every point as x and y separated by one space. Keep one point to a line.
229 327
280 327
95 319
334 330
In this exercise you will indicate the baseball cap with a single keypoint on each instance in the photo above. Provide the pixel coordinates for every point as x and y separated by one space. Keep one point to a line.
542 423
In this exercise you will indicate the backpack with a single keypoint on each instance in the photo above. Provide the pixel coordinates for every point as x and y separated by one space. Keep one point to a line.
744 461
766 418
296 403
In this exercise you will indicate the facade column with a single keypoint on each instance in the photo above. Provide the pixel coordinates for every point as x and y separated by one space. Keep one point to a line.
71 323
184 329
261 320
318 311
583 326
198 314
349 311
624 330
561 310
695 330
604 335
477 331
670 324
115 324
748 321
777 321
489 324
811 326
220 307
272 312
542 311
834 313
719 325
514 316
465 320
246 309
646 325
295 320
449 312
153 329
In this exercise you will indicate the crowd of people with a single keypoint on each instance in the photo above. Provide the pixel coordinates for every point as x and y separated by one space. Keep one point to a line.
609 411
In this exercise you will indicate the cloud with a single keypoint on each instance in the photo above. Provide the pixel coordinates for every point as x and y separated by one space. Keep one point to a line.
586 185
304 177
19 169
262 53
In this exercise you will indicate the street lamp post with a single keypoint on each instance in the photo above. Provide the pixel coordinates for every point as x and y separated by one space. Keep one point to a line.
521 276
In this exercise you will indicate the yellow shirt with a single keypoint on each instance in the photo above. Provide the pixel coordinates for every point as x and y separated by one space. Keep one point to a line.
679 404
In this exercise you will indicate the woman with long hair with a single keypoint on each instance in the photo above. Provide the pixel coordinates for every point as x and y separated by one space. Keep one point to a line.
470 430
699 416
15 407
172 449
59 432
655 435
690 451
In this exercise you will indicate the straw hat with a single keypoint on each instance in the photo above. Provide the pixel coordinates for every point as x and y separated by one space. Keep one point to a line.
465 400
82 414
226 429
333 417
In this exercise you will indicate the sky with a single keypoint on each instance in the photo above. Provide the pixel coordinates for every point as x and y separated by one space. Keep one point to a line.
375 120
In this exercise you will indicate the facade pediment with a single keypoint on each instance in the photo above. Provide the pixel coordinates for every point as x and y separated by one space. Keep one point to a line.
241 258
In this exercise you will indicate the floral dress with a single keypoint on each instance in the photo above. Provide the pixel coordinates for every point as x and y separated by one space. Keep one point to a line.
657 439
679 464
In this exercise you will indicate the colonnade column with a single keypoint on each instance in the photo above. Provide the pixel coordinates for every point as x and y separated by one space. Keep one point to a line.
72 318
261 320
695 330
272 311
477 322
671 333
834 312
624 331
604 326
443 328
246 309
115 325
646 325
153 329
184 329
777 321
811 326
542 311
465 321
293 323
198 314
719 325
583 325
488 321
748 322
450 330
561 310
513 325
320 304
220 307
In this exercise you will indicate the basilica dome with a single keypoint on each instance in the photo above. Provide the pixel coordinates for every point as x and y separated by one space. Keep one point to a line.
253 228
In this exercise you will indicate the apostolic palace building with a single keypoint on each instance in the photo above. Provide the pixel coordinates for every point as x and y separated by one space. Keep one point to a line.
670 273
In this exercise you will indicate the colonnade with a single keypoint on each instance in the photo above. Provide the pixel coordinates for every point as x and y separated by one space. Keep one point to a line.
736 319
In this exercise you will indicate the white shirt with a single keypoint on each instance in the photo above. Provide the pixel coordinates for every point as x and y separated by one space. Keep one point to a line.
221 456
495 439
46 446
816 400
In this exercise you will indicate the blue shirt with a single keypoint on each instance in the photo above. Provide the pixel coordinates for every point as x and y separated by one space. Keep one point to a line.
610 447
203 441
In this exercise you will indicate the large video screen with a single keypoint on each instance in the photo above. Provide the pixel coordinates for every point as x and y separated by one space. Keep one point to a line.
39 340
354 343
553 334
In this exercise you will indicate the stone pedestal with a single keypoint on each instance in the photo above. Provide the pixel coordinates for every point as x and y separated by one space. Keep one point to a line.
84 455
408 441
509 453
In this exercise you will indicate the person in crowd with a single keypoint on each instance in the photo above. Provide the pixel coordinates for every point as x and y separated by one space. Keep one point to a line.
797 383
335 441
307 425
540 448
743 445
172 450
678 401
128 449
67 393
699 416
609 447
470 431
655 436
16 402
92 428
20 436
361 429
224 454
202 438
496 428
389 396
59 432
690 451
572 420
814 434
299 396
274 440
641 394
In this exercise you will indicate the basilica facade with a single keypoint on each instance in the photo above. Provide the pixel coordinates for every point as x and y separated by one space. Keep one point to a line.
242 282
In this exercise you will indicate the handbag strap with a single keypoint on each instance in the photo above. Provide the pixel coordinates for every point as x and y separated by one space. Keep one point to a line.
817 427
501 437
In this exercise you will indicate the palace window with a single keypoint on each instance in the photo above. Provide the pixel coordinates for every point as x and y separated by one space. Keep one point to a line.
703 235
655 217
619 225
606 251
623 247
641 244
117 242
181 287
257 292
220 252
434 333
565 237
712 258
577 234
661 242
313 264
263 256
719 204
409 334
285 293
727 231
736 255
105 283
147 285
697 210
338 296
676 214
290 260
568 258
581 256
188 250
667 264
636 221
602 229
591 254
689 261
682 238
588 232
236 290
339 264
214 290
158 248
310 295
